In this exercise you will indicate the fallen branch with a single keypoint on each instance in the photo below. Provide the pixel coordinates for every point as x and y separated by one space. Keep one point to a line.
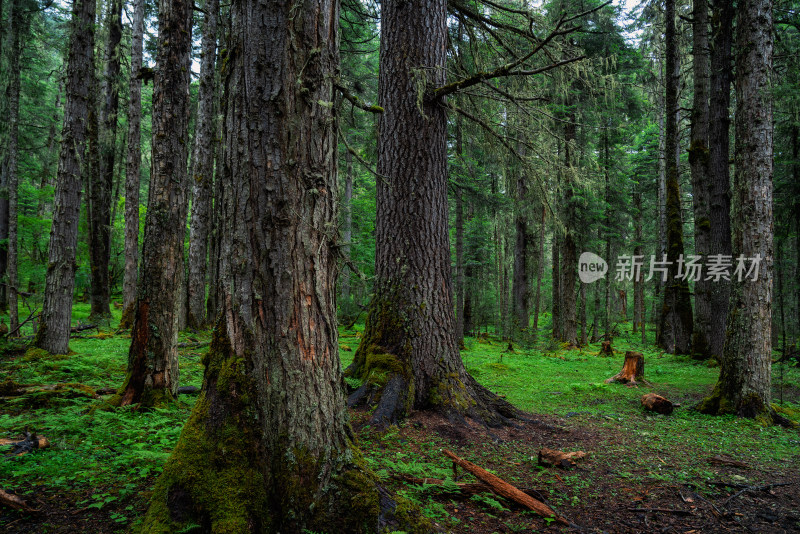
81 328
756 488
718 459
504 489
15 502
661 510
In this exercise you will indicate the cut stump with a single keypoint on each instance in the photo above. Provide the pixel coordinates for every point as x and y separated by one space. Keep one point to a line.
606 349
632 370
657 403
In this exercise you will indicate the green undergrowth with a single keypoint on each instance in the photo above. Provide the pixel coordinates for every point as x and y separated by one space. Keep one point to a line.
108 459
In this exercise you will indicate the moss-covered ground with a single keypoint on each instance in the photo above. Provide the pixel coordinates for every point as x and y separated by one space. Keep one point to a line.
100 466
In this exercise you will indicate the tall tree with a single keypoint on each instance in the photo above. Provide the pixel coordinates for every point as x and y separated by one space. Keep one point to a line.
698 160
719 189
53 334
99 184
133 167
675 332
152 374
409 348
271 424
203 172
745 381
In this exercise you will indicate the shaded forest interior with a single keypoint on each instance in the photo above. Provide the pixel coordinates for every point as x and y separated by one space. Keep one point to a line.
408 266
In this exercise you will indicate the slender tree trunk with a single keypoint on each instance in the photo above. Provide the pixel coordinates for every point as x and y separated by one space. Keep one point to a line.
719 173
133 173
521 283
569 262
203 172
409 348
744 386
556 315
3 180
271 425
661 246
638 281
675 334
18 21
537 299
152 375
699 160
53 333
347 227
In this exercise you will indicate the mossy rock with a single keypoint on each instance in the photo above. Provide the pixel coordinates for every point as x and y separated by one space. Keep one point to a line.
34 354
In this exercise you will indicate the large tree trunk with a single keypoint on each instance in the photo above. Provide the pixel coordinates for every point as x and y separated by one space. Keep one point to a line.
53 334
569 260
459 194
203 172
99 184
675 333
267 448
537 298
152 375
718 170
409 347
347 227
698 160
132 173
520 290
744 386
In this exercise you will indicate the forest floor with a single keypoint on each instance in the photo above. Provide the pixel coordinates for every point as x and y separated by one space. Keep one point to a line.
642 473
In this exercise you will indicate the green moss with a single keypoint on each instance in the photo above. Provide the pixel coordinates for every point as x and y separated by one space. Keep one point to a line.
34 354
9 387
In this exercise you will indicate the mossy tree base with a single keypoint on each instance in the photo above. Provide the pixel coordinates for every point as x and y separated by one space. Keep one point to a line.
750 406
226 475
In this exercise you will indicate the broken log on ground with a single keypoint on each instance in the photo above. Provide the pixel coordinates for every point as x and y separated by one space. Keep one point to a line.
632 370
657 403
27 444
456 489
719 459
504 489
554 458
15 501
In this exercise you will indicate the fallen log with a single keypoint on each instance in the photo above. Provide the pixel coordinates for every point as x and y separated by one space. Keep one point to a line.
29 443
657 403
554 458
504 489
16 502
457 488
632 370
81 328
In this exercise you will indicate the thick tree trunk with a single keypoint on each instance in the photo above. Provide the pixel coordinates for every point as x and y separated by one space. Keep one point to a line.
99 184
203 172
152 375
744 386
268 440
675 333
409 347
699 160
719 173
53 334
132 173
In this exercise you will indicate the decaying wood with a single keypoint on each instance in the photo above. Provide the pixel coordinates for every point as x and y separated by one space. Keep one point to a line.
14 501
719 459
657 403
606 349
504 489
632 370
552 457
29 443
81 328
458 488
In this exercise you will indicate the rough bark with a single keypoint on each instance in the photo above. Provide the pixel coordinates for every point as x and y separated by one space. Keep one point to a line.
718 170
556 285
744 386
537 298
632 369
675 332
698 160
409 349
347 226
100 183
266 448
203 172
459 194
152 375
53 334
133 168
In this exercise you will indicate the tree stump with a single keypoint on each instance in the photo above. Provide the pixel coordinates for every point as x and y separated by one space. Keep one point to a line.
632 370
606 349
657 403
